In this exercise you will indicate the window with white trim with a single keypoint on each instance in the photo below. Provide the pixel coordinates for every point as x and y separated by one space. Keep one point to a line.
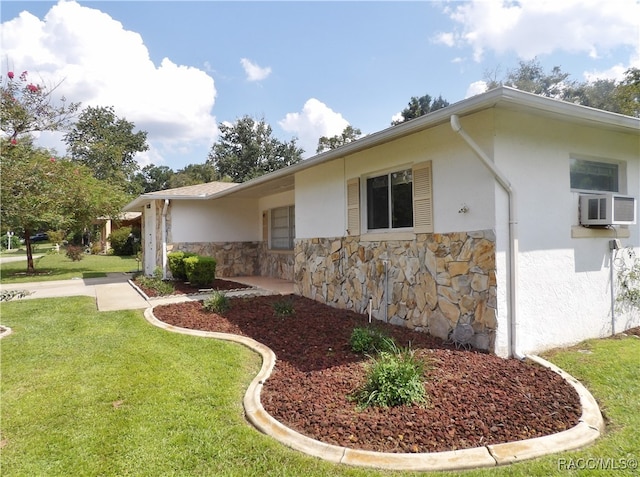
394 201
595 175
282 228
390 201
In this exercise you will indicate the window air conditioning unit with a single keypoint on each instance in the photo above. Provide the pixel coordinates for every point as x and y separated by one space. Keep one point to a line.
607 209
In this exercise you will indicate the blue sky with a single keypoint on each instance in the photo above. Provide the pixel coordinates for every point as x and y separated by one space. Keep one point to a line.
178 69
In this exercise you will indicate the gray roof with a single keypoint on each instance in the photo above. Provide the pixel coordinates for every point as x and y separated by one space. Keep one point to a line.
504 97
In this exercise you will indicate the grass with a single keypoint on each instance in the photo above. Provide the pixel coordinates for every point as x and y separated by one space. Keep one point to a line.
105 393
57 266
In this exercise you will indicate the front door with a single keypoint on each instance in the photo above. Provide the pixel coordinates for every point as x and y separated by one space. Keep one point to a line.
150 239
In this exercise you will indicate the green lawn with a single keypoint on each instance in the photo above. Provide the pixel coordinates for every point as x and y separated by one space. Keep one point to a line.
89 393
56 266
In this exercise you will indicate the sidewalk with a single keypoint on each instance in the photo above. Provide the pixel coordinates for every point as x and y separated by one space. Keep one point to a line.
112 292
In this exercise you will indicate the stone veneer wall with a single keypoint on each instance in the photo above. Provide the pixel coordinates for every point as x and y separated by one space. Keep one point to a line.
276 264
233 259
236 259
434 282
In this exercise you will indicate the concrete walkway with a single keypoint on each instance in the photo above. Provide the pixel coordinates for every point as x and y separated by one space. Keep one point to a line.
114 292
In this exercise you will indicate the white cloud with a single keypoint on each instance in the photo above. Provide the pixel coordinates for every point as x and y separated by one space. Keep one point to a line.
537 27
315 120
477 87
102 64
253 71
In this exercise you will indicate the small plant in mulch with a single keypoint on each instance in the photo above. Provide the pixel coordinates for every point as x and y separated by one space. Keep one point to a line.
218 302
75 252
370 340
156 283
283 308
393 378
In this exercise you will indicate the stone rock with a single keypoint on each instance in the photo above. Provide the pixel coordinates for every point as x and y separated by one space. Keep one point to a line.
439 325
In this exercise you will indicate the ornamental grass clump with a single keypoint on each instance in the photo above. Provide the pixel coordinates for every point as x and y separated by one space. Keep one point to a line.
283 308
394 378
218 302
370 340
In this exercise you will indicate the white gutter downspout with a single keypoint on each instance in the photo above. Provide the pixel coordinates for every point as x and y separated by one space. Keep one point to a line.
513 237
164 238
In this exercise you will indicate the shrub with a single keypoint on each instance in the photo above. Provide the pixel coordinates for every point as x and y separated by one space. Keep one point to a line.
56 236
283 308
75 252
13 239
393 378
368 340
96 248
200 271
218 302
123 242
176 264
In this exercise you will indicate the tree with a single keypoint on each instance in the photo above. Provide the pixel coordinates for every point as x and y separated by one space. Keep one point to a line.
599 94
40 192
627 93
28 107
618 97
107 145
420 106
153 178
349 134
246 150
530 76
193 174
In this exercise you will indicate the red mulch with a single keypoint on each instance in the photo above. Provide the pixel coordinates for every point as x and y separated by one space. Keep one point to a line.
475 398
185 288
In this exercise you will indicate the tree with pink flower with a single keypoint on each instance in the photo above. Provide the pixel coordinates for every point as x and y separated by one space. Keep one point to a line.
27 107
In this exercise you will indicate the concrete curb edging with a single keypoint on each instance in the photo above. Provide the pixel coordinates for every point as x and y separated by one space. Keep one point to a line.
584 433
6 331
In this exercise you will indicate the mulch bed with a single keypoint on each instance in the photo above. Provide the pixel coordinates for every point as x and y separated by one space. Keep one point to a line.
475 398
185 288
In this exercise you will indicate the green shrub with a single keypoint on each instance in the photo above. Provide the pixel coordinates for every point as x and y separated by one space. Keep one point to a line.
284 308
200 271
75 252
176 264
56 236
218 302
393 378
123 242
13 239
369 340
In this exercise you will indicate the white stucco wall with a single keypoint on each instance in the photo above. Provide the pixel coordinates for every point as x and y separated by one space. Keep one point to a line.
458 179
223 220
563 282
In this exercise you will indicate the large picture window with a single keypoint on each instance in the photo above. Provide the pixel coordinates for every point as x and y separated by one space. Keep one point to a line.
594 175
390 201
283 228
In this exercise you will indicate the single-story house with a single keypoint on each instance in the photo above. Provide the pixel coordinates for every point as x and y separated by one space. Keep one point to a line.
465 222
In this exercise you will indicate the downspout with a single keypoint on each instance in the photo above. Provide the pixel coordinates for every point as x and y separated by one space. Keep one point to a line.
164 238
513 236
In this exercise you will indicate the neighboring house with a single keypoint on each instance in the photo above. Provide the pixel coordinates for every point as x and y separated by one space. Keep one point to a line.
108 225
462 221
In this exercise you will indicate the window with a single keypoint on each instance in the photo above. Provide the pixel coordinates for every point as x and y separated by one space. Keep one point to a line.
399 200
283 228
593 175
390 201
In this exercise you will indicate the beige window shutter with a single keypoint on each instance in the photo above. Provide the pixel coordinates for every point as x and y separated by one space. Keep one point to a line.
353 206
422 198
